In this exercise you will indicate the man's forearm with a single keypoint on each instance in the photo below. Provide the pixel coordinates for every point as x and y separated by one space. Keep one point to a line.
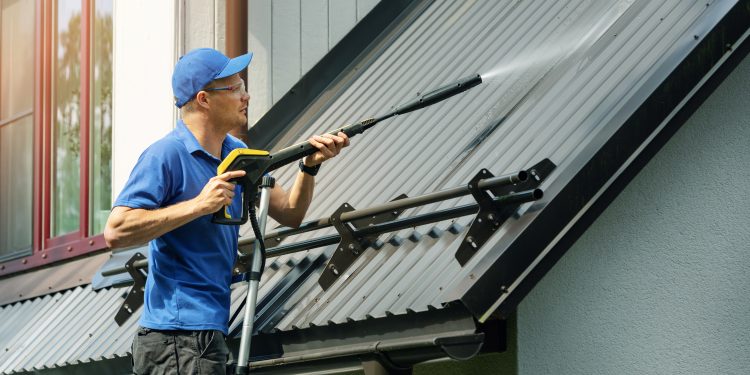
290 208
128 226
136 226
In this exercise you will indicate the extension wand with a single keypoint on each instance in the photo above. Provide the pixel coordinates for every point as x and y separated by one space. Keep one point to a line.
257 163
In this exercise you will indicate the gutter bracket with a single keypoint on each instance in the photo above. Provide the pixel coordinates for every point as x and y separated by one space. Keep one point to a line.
491 216
134 299
351 246
461 348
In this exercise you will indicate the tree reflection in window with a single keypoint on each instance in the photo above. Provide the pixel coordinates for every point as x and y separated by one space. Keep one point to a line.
66 153
101 122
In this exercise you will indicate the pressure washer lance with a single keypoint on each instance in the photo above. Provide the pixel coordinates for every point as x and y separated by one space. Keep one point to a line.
257 163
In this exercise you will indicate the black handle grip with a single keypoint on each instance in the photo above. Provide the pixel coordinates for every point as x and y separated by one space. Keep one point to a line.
221 216
302 149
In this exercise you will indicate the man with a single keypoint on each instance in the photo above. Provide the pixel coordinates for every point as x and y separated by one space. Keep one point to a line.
168 200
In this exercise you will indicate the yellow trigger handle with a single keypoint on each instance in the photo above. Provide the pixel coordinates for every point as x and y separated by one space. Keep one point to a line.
230 159
233 156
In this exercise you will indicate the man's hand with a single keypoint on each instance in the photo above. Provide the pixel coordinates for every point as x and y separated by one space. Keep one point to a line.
131 226
217 193
328 146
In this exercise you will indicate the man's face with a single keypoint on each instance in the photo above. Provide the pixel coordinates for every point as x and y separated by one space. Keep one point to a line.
229 99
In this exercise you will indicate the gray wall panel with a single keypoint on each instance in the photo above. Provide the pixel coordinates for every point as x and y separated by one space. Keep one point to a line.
289 37
657 284
364 7
314 42
286 45
342 16
260 42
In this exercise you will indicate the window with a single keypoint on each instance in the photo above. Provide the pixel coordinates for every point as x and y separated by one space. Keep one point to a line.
55 129
16 126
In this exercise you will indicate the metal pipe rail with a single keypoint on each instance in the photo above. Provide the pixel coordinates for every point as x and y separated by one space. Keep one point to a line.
116 271
392 226
401 204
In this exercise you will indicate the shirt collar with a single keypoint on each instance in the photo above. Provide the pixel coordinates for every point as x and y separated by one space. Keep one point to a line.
191 143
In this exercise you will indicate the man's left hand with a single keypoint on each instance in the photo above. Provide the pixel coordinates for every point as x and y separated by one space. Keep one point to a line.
328 146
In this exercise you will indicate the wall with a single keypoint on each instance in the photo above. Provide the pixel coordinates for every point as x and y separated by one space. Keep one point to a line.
143 58
288 37
204 25
658 284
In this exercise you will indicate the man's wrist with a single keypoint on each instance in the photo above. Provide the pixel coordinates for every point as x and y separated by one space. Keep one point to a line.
195 208
307 162
312 171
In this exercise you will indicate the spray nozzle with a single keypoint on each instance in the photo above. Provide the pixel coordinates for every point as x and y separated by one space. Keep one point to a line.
439 94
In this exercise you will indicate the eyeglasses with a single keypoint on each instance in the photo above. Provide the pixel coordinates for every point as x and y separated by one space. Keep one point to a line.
237 88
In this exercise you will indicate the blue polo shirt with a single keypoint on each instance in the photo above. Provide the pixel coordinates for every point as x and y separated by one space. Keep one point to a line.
190 268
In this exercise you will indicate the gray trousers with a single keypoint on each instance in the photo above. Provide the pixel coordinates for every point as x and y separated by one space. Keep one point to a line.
180 352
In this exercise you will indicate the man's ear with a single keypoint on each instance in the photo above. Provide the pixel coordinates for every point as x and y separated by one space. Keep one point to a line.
201 98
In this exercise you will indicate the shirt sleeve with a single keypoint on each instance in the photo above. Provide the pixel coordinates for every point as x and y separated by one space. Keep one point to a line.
149 184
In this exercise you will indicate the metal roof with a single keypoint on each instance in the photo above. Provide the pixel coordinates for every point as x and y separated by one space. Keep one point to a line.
568 77
61 329
563 78
378 284
50 279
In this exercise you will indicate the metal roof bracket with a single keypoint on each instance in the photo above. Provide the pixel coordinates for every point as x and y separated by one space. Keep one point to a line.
134 300
351 247
242 264
492 213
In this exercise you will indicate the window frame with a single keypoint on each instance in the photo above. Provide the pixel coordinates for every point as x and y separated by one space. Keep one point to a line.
47 249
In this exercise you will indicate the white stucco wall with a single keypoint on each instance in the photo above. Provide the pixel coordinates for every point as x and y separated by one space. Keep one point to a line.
143 58
659 283
204 25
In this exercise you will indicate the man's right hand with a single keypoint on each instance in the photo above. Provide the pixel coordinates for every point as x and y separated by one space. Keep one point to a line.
217 193
132 226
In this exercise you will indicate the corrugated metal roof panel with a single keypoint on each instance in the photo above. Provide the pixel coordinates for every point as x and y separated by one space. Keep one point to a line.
47 280
61 329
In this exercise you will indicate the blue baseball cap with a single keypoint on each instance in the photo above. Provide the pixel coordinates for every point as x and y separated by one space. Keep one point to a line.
199 67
